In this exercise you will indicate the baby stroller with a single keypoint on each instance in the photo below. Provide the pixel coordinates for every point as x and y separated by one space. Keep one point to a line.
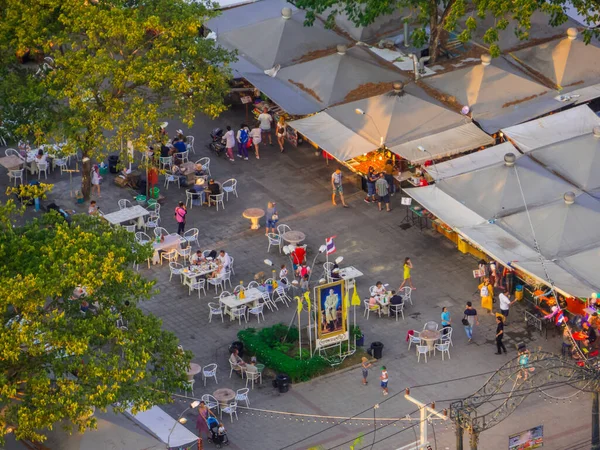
217 145
217 438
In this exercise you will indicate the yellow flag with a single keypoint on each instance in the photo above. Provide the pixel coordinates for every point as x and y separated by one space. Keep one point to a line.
307 298
345 307
299 299
355 298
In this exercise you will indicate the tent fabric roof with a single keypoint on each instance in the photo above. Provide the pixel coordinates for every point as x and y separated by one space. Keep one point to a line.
383 25
570 64
556 127
245 15
498 95
277 40
332 136
472 161
331 78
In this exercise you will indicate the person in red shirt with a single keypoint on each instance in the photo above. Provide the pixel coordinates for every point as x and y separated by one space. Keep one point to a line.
298 256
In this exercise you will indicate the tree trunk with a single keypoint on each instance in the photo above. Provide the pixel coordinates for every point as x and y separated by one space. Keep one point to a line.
86 180
434 32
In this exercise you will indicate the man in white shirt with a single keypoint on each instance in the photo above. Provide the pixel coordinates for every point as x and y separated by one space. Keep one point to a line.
505 303
198 257
266 120
225 259
229 142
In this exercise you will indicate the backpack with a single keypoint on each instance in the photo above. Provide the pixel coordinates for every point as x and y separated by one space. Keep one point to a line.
244 136
484 292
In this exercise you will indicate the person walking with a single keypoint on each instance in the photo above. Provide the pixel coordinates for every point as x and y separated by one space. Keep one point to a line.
500 335
337 188
505 304
446 320
242 138
256 135
486 292
271 217
281 126
229 142
96 179
266 120
180 213
202 421
382 189
366 365
407 268
469 320
384 380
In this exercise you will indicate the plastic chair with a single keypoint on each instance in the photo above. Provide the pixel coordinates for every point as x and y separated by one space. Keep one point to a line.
209 371
274 240
189 386
62 163
171 178
153 222
241 395
252 375
217 199
183 156
130 228
257 311
405 292
444 348
154 208
282 228
252 284
191 235
124 203
165 161
239 312
397 309
369 308
431 325
185 253
12 152
160 231
215 310
170 256
142 238
175 269
235 367
205 163
422 350
414 338
210 402
446 335
327 268
230 186
227 279
230 264
231 410
216 282
198 285
281 296
42 167
190 144
269 301
16 175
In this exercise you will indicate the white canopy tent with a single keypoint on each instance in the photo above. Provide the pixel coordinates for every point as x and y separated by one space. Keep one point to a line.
472 161
164 427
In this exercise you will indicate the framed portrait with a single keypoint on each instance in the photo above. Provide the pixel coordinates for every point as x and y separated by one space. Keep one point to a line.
331 326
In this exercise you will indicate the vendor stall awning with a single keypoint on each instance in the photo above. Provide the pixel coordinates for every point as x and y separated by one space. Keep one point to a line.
472 161
554 128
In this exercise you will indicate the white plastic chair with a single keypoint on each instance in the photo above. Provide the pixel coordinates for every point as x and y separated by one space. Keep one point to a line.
210 402
252 284
444 348
42 167
431 325
165 161
183 156
235 368
191 235
142 238
214 310
12 152
405 292
153 222
447 337
252 375
16 175
238 288
227 279
160 231
217 199
369 308
230 264
230 186
209 371
130 228
281 296
231 410
205 163
175 269
422 350
124 203
268 301
397 309
191 197
372 290
257 311
238 313
198 285
62 163
414 338
189 386
171 178
274 240
154 208
216 282
241 395
190 144
185 253
327 268
170 255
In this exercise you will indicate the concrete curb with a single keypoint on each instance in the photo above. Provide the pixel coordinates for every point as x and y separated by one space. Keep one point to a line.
337 372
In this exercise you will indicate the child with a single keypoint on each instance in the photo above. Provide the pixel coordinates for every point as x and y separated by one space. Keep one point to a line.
384 380
304 283
93 209
366 365
96 179
283 272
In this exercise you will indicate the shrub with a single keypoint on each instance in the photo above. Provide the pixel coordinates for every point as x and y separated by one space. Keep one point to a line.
269 350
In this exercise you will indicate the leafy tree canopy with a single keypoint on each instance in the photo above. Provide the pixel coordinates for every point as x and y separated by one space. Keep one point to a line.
113 67
442 15
62 356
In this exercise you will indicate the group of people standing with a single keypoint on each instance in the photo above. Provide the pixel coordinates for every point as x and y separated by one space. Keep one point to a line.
246 138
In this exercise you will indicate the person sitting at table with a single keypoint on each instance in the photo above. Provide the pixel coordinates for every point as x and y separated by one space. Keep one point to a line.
179 145
165 151
40 157
225 259
379 289
213 189
591 333
93 209
396 299
220 272
373 305
198 258
238 363
298 256
179 136
197 189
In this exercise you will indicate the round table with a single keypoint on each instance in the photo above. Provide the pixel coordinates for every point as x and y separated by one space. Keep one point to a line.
430 336
253 214
194 369
293 237
224 396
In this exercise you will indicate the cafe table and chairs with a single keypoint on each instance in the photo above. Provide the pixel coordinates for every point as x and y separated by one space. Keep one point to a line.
248 297
191 273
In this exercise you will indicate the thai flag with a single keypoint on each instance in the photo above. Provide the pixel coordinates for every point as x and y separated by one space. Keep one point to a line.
330 245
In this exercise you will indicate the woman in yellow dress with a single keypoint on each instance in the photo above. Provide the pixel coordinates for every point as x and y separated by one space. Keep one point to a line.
407 267
486 292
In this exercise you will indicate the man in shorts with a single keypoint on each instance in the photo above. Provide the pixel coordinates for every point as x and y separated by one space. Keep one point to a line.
336 184
266 120
384 380
383 192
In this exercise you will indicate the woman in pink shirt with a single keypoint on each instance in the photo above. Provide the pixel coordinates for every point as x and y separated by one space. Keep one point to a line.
180 213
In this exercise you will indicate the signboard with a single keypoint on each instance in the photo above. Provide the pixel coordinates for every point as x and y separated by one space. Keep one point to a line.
246 99
529 439
406 201
330 324
292 136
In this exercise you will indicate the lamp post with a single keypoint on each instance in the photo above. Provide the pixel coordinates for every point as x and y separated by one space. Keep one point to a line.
360 112
182 420
424 150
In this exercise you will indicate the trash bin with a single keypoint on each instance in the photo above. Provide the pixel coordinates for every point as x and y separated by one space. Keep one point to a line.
240 347
518 292
377 349
283 382
113 160
154 192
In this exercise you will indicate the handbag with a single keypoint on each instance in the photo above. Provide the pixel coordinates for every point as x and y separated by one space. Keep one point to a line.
464 321
275 217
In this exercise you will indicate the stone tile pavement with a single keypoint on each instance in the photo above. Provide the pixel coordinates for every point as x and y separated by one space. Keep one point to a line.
372 241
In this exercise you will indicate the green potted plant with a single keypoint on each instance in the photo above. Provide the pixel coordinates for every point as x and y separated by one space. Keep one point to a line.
357 334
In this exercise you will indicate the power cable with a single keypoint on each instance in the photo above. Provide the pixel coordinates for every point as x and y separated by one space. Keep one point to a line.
374 427
434 436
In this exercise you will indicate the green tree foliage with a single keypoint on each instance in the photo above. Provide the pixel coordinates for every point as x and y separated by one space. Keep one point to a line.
442 15
114 68
57 362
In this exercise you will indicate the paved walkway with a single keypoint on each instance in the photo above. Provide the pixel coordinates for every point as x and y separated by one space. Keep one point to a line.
372 241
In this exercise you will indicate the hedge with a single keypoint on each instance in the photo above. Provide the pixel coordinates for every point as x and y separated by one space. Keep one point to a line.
266 345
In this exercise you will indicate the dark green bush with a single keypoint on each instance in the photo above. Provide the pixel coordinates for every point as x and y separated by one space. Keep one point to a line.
269 350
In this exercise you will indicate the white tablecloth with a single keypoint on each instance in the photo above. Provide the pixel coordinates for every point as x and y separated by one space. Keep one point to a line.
171 242
127 214
251 300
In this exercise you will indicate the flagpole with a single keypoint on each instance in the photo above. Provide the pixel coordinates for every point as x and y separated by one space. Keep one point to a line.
309 331
300 331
